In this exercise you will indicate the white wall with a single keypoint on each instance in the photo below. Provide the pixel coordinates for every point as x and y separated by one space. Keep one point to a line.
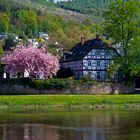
95 64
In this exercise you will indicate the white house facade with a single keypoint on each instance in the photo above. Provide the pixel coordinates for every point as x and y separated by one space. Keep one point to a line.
91 57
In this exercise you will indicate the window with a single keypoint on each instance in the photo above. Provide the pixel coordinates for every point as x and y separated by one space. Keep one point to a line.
98 63
103 76
94 64
103 56
107 55
89 73
89 56
106 63
89 63
98 75
97 53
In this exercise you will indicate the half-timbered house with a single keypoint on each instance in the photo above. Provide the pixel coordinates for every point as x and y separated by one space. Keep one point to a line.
91 57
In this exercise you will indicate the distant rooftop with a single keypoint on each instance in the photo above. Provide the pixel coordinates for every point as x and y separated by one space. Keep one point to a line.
55 1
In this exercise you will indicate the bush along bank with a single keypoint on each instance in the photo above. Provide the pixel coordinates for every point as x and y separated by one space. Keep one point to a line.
61 86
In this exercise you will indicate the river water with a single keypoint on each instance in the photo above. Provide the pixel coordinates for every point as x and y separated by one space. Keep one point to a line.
93 125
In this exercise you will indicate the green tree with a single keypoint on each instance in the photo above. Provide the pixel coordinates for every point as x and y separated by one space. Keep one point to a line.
27 22
1 53
52 23
122 25
4 22
1 49
69 36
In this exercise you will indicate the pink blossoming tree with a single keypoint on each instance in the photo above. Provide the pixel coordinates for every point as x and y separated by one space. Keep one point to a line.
31 60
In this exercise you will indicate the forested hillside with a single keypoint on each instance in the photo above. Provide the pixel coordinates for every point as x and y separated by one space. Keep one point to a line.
27 19
37 5
89 7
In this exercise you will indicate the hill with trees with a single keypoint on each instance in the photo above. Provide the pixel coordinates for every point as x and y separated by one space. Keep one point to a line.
88 7
26 19
42 7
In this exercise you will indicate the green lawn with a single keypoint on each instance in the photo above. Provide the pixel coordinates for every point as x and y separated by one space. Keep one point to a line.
69 99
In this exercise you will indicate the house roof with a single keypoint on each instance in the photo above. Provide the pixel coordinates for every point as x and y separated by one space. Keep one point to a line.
80 50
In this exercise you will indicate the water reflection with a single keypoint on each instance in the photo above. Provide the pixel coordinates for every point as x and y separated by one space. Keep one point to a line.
74 126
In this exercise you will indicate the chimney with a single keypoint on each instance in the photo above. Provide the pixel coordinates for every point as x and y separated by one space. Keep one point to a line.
97 36
82 40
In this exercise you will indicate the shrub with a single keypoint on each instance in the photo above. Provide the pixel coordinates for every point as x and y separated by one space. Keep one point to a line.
38 84
87 78
16 81
59 84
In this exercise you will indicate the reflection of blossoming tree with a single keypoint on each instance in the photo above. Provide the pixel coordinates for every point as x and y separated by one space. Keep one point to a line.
32 60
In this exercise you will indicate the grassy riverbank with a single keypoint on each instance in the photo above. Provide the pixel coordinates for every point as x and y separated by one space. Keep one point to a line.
59 102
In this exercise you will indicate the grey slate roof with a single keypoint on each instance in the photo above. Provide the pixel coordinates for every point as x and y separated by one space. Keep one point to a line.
79 51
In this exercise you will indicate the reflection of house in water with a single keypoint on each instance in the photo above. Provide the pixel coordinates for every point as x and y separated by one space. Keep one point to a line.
99 126
44 132
39 132
28 132
11 132
79 129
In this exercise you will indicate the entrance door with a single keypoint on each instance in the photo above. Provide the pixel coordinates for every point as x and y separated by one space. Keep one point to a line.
137 83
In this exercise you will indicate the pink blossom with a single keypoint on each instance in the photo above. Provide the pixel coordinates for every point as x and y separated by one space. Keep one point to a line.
31 59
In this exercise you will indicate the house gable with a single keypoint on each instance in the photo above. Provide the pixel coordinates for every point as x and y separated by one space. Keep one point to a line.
91 58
